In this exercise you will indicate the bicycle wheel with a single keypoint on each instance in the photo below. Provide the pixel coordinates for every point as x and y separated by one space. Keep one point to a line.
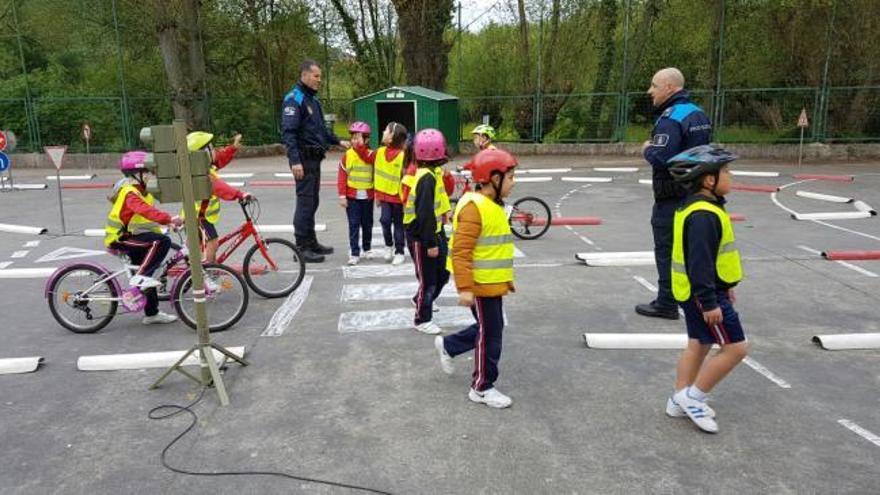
225 305
81 299
530 218
276 271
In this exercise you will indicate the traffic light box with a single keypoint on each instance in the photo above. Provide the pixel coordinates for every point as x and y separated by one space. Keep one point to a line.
164 163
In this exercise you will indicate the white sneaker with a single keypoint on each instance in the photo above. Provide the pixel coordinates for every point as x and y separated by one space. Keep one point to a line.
429 327
696 411
673 410
492 398
368 254
159 318
445 358
144 282
388 254
354 260
398 259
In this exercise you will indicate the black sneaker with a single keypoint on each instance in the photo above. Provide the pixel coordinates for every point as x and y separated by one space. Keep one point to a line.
321 249
310 256
652 310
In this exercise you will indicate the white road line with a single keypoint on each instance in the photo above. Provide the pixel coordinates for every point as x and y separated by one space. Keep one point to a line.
19 254
858 430
855 268
616 169
71 177
449 317
749 173
760 368
537 265
237 175
386 292
646 182
517 253
26 272
285 313
4 264
385 270
648 285
587 179
586 240
545 170
820 222
534 179
31 244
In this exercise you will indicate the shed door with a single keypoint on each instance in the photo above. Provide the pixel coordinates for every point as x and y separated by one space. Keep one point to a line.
403 112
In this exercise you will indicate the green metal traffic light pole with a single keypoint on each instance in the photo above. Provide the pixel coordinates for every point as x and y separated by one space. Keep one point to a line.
210 371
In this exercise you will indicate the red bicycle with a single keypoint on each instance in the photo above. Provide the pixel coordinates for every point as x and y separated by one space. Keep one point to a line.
272 267
529 217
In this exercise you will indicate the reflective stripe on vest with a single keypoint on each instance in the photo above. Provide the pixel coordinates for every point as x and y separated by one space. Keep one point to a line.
360 173
727 263
441 200
114 228
387 179
493 253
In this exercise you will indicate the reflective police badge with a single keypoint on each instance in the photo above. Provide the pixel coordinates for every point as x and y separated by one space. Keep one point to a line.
290 111
660 140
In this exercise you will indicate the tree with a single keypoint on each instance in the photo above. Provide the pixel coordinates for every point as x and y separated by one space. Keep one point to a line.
422 25
373 39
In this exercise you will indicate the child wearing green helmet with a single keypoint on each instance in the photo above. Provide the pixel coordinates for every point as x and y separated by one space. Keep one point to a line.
484 135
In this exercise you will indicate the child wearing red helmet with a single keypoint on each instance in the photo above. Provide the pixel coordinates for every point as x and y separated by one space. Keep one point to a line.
481 261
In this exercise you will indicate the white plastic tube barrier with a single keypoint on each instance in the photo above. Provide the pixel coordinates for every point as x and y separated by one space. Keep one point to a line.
587 179
144 360
236 184
848 341
621 262
286 229
93 232
832 215
72 177
237 175
616 169
30 187
646 182
285 175
615 255
22 229
26 272
534 179
823 197
11 366
749 173
862 206
636 340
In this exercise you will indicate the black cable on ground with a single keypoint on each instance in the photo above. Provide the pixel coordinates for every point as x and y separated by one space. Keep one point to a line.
176 409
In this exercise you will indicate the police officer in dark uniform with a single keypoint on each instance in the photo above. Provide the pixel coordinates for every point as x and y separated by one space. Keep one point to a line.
681 125
307 138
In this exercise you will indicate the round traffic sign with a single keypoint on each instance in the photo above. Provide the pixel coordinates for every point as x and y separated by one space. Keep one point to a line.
2 141
4 161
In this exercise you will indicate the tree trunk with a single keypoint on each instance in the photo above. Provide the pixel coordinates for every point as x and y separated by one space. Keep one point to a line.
524 110
608 22
422 24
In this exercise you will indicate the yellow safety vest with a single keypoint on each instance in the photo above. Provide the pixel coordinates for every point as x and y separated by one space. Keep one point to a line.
114 228
493 254
212 211
387 179
360 173
727 263
441 200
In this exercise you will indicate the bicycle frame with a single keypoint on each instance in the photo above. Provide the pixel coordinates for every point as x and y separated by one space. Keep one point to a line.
237 238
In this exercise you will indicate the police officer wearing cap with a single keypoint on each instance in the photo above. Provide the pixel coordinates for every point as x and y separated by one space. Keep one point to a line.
307 138
681 126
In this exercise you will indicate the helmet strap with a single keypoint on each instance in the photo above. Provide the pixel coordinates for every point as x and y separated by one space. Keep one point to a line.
717 176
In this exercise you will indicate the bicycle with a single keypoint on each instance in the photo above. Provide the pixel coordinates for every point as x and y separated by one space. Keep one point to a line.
529 216
272 267
92 294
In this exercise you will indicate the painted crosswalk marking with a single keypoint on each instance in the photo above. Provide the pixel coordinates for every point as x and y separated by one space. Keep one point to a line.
368 271
386 292
449 317
284 314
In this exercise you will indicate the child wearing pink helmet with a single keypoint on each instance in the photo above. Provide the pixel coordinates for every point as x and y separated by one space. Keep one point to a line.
354 183
426 205
132 227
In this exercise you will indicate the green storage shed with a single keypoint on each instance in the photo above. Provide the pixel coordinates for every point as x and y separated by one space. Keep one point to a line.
413 106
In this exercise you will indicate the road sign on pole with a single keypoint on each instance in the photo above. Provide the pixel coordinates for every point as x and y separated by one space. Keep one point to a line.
2 141
803 123
56 154
87 137
4 161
